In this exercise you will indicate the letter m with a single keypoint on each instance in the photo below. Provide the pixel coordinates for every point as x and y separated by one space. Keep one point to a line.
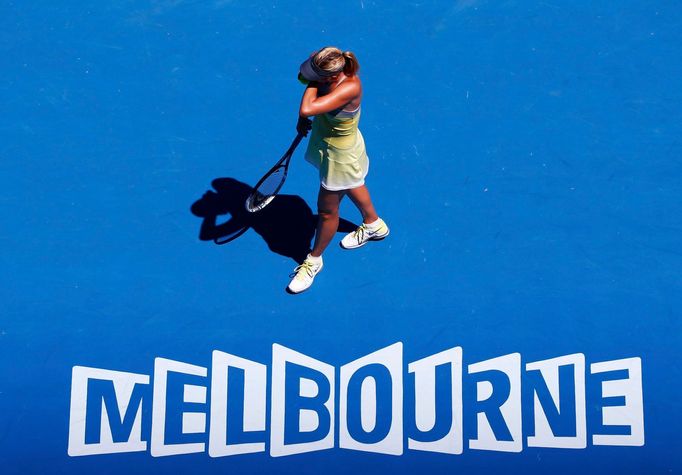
106 411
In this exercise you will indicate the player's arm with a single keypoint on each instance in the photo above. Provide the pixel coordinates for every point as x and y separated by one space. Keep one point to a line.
312 104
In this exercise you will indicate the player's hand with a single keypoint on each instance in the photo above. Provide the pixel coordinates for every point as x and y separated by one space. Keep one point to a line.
304 125
303 80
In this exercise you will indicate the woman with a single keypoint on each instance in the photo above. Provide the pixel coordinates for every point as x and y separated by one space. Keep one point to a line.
337 149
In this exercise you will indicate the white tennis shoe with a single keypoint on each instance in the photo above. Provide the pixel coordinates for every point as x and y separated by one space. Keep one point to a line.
375 231
304 275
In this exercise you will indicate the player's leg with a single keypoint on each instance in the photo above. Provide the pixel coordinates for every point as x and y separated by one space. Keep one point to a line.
327 224
327 220
373 228
360 197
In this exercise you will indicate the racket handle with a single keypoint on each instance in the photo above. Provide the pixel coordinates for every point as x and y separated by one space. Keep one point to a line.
294 144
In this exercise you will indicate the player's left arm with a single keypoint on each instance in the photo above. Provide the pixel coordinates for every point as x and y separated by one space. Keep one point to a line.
312 104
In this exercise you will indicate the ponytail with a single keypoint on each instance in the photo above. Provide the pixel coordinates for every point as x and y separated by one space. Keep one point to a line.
351 66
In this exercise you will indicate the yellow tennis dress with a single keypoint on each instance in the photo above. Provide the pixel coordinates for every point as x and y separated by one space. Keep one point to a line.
337 149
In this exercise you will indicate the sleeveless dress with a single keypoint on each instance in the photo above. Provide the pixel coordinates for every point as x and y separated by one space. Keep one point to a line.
337 149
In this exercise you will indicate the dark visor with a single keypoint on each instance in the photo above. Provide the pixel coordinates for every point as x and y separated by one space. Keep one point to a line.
312 72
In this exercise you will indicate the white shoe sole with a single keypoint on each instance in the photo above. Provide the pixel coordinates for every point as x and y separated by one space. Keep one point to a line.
376 238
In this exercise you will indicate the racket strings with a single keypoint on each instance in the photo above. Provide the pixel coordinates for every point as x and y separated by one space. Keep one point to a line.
270 184
265 191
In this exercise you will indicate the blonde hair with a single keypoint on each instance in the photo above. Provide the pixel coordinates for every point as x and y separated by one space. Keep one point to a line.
332 59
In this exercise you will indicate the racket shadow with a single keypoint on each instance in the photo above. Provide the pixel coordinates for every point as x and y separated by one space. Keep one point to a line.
287 225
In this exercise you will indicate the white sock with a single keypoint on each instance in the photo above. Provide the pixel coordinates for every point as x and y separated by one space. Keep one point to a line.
313 259
374 225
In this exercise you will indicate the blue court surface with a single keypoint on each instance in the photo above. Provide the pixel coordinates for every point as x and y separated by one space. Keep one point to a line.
522 317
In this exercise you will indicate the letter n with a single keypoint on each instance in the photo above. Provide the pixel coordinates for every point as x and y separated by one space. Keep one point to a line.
558 402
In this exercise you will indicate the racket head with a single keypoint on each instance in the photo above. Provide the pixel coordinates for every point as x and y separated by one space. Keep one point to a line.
266 189
256 202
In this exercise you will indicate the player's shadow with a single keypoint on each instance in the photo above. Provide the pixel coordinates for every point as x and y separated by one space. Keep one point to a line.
287 224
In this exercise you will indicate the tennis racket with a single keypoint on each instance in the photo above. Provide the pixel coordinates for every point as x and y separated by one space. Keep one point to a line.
267 187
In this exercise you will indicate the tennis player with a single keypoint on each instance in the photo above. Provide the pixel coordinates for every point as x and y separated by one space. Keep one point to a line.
337 149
